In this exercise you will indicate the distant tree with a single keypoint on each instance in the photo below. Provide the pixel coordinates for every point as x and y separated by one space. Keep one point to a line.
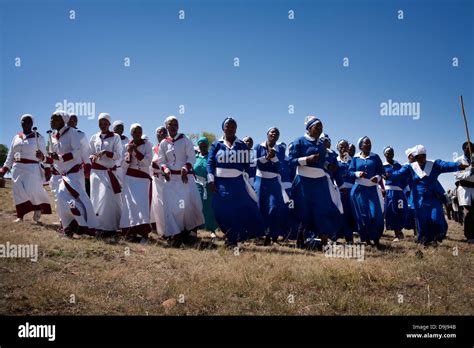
3 154
210 136
195 137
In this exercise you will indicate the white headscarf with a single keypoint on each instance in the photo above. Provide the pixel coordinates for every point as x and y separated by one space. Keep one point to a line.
27 115
134 125
117 123
104 115
419 150
169 118
64 115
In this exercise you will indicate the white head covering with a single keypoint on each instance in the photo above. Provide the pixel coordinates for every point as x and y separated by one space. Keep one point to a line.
419 150
116 123
134 125
409 151
64 115
359 142
144 137
269 129
159 128
25 116
310 120
169 118
104 115
386 148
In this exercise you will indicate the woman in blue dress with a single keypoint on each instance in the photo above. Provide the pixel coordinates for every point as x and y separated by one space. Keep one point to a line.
367 170
316 199
235 202
396 207
270 157
345 185
426 193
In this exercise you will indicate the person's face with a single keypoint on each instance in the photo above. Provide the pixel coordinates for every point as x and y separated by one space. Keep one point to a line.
56 122
161 134
316 130
72 121
411 159
389 155
26 124
230 128
104 125
137 133
352 150
366 145
118 129
343 147
172 127
421 159
273 136
203 148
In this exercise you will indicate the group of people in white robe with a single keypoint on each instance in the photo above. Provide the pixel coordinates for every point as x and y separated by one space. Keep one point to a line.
110 185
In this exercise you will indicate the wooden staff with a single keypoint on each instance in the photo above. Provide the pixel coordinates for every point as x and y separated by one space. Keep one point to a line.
467 130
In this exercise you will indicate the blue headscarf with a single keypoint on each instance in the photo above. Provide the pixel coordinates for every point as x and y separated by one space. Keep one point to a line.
228 119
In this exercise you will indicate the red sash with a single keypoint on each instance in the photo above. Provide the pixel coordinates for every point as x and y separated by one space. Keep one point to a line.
138 174
113 179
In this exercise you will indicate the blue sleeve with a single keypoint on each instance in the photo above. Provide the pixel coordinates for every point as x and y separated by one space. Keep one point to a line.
446 167
403 173
294 154
379 168
338 175
352 169
211 159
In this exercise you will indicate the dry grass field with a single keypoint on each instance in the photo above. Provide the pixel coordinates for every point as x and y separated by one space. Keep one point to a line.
88 276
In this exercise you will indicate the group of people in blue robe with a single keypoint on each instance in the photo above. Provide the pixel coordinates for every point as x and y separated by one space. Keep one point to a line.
315 193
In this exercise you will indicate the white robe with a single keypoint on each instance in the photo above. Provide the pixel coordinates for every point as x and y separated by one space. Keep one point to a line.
157 213
465 194
181 202
69 147
106 203
136 190
27 178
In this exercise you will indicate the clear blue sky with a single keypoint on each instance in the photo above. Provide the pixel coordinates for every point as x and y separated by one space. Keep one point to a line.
282 62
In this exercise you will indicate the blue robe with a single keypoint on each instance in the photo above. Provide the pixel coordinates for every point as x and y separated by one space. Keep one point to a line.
236 212
427 197
269 190
313 203
365 199
344 180
288 221
396 207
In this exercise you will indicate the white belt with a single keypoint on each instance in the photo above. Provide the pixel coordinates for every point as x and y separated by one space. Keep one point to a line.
266 175
365 182
393 188
347 185
310 172
227 172
202 181
233 173
270 175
